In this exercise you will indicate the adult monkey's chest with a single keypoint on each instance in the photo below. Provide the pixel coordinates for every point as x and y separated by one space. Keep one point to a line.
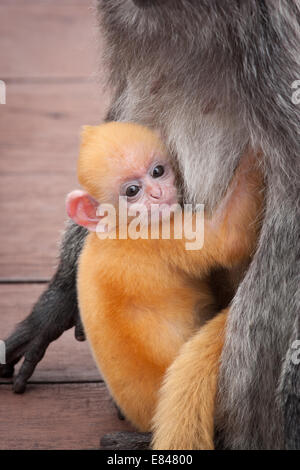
206 139
172 73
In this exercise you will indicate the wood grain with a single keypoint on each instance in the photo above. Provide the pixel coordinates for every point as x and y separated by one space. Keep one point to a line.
39 141
49 38
73 416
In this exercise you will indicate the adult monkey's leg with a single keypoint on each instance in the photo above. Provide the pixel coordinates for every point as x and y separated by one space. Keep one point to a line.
55 311
253 408
249 407
290 390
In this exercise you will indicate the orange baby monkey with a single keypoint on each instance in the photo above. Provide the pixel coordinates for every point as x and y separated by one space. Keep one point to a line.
141 299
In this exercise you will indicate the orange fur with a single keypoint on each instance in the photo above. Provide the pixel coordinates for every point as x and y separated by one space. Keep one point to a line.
140 303
189 390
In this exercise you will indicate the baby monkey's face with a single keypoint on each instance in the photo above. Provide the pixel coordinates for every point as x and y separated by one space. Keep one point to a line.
122 160
153 184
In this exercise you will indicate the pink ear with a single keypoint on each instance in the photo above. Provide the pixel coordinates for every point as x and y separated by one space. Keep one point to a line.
82 208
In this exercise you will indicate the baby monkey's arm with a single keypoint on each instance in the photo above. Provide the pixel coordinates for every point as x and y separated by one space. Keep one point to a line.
237 219
230 234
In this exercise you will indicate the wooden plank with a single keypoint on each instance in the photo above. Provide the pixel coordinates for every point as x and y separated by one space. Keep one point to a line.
39 141
73 416
66 360
49 38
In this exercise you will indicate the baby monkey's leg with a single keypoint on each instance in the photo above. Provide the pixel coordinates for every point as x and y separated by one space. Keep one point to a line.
184 418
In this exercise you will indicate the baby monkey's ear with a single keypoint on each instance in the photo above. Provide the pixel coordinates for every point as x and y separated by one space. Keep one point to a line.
82 208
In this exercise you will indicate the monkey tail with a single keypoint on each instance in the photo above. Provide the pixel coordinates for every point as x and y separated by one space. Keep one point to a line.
184 418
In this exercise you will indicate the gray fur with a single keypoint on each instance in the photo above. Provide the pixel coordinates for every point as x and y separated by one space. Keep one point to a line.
214 76
290 389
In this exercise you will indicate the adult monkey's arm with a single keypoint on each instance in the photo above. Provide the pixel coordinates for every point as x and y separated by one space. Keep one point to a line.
55 312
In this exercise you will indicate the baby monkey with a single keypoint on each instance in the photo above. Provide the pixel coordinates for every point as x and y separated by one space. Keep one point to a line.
144 300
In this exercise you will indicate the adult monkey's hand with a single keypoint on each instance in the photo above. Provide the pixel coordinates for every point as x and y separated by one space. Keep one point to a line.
55 312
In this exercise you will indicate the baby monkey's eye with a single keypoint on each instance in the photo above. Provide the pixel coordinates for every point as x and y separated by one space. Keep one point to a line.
158 171
132 190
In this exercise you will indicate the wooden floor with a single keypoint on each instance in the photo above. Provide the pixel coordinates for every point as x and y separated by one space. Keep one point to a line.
48 58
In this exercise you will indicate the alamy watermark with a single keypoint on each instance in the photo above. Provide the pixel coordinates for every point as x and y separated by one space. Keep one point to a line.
2 352
296 94
160 221
295 353
2 92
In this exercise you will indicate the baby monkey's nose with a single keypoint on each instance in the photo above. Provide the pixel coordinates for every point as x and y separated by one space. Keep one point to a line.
155 192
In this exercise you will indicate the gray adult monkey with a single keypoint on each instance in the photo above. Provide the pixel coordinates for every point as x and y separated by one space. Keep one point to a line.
215 77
